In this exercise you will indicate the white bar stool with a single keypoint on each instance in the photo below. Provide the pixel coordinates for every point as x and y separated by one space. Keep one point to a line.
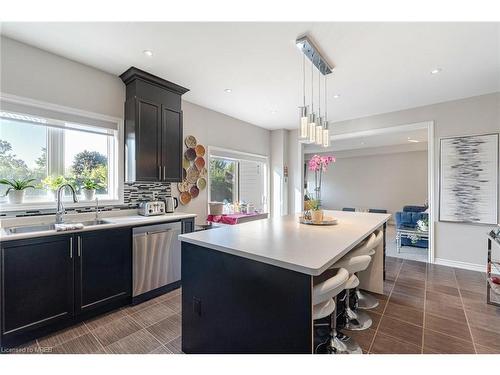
366 301
324 304
359 320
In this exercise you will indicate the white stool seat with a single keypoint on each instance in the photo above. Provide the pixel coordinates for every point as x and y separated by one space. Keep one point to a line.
353 264
323 309
353 282
328 289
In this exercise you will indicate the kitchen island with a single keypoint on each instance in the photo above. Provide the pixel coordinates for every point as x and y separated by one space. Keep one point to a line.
248 288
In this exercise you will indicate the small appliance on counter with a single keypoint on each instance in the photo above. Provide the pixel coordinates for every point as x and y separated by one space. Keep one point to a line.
152 208
171 204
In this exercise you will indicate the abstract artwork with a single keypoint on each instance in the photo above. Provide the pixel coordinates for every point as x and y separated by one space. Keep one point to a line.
469 179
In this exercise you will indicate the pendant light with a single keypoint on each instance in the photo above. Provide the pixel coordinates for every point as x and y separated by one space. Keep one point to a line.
319 123
303 109
312 116
326 133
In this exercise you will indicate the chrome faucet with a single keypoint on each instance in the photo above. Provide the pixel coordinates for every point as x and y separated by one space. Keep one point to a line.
60 206
97 212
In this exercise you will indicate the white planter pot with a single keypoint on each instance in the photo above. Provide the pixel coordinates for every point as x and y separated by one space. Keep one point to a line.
88 194
16 196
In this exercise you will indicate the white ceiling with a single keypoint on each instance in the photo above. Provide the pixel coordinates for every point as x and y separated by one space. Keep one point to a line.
358 141
380 67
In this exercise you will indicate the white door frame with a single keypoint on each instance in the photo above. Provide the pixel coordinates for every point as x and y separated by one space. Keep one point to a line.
431 165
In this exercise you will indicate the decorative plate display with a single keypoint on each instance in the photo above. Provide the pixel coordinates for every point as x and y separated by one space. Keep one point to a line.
326 221
192 174
200 163
190 141
201 183
183 186
190 154
194 191
200 150
185 198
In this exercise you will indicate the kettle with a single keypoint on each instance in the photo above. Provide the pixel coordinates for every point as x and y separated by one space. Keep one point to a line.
171 204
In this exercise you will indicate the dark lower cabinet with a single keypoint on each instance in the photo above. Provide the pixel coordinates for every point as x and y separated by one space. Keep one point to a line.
103 268
188 225
52 282
36 279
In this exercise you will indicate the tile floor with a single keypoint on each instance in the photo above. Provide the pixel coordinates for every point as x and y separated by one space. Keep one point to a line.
424 309
432 309
151 327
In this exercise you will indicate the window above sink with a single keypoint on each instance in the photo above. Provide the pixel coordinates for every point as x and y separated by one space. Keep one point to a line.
55 147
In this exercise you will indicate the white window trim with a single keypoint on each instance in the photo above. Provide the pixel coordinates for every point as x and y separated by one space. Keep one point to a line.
117 161
212 152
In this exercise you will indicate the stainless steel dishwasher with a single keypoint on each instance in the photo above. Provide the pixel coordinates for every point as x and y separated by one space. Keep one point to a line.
156 257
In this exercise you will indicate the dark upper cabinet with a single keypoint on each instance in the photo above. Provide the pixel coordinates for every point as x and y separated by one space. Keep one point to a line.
153 128
103 268
36 279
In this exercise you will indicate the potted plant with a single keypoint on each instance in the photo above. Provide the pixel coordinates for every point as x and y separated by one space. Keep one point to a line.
316 211
52 183
17 189
318 165
91 181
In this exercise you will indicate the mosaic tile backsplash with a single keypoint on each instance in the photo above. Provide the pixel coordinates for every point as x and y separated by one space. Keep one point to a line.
137 192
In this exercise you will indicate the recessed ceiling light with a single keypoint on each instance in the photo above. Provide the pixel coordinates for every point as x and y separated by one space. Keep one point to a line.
148 52
273 111
436 71
336 96
228 90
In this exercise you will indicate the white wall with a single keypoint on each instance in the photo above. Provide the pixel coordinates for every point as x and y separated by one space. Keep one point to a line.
33 73
459 244
387 181
279 183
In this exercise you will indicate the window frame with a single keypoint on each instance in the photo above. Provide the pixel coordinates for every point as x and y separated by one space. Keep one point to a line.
56 142
239 156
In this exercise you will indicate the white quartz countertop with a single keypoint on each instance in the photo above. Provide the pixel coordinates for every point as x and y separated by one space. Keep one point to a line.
115 219
286 243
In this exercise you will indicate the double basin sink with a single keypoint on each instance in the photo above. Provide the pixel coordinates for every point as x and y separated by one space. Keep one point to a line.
47 227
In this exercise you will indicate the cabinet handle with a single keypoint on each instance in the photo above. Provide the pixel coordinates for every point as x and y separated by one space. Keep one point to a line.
71 247
159 172
164 172
79 246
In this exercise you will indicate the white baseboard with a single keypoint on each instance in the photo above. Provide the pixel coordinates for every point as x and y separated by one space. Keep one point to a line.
463 265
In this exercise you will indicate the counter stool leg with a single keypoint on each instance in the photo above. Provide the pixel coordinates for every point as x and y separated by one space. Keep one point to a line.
356 321
340 343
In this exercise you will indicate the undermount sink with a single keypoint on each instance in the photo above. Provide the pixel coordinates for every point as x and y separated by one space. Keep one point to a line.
46 227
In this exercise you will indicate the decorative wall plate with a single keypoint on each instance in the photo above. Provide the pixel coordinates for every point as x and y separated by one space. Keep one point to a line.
203 172
194 191
200 163
183 186
192 174
201 183
190 154
200 150
185 163
190 141
185 198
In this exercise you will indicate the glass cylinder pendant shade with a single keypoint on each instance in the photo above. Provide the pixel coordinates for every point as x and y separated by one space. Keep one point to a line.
319 131
304 121
326 135
312 128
